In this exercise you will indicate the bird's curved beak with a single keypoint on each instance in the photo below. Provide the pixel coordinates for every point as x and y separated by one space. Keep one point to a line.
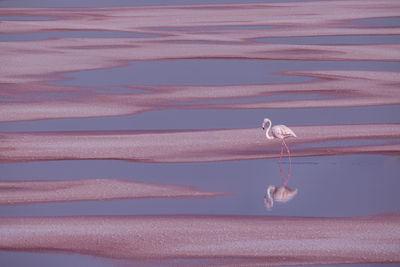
262 127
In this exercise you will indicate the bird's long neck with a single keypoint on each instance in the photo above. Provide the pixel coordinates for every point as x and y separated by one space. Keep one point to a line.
268 129
270 198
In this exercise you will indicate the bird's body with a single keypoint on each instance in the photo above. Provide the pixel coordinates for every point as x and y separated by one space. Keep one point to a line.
281 132
278 131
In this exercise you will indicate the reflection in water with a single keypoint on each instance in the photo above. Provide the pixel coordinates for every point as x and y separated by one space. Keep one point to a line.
278 194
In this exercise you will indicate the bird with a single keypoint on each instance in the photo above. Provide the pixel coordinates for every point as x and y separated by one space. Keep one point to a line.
280 132
279 194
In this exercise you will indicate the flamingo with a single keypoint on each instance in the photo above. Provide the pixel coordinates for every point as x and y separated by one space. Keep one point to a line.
280 194
281 132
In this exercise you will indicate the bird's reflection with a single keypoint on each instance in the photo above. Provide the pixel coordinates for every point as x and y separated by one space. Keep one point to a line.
278 194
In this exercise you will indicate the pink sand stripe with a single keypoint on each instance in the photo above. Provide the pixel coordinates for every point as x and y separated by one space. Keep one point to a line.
336 88
222 239
25 192
191 146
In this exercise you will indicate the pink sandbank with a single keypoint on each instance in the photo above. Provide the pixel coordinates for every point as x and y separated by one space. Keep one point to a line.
248 240
25 192
195 145
334 88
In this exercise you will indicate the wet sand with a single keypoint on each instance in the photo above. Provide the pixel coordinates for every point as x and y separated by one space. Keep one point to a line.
26 192
225 240
194 145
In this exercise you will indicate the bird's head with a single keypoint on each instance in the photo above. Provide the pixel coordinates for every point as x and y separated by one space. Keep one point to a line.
265 122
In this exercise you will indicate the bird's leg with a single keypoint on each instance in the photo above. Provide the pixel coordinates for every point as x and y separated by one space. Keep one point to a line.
290 162
279 162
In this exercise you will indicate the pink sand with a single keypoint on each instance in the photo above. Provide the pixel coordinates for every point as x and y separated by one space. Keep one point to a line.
78 54
197 34
25 192
192 146
27 63
257 240
336 88
302 18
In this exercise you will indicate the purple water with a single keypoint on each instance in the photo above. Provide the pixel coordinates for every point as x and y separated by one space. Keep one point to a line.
331 180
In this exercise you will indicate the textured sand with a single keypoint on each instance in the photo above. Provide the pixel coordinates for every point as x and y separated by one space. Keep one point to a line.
229 31
196 145
250 240
334 88
25 192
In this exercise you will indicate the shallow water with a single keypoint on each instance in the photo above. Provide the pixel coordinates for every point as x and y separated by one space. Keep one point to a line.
222 119
213 72
70 34
43 259
117 97
344 186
